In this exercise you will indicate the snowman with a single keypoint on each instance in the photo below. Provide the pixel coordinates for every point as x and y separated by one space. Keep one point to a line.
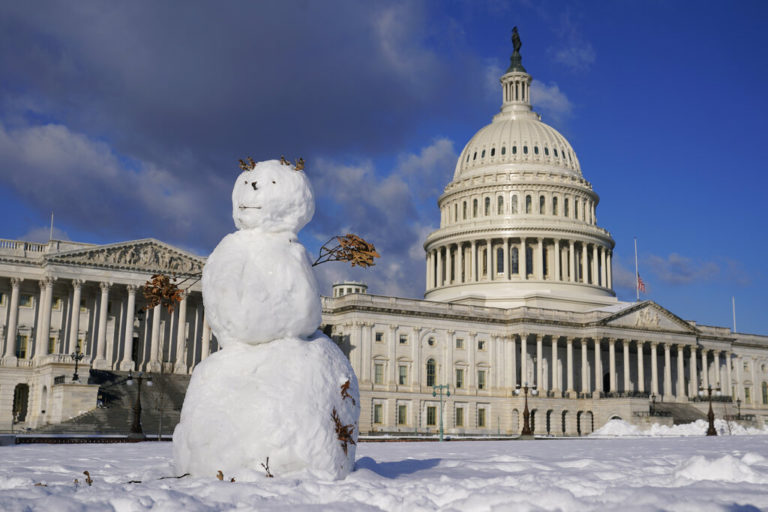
279 394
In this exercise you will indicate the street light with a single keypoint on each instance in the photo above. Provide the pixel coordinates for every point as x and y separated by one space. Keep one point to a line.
526 415
77 356
711 415
653 404
738 405
136 430
435 390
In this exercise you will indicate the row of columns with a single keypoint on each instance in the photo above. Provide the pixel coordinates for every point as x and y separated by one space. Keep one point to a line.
100 358
594 261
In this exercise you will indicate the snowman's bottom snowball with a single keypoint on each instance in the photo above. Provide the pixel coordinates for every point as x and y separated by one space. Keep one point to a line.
276 400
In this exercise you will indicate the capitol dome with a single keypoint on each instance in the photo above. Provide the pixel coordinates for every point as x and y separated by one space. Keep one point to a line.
518 223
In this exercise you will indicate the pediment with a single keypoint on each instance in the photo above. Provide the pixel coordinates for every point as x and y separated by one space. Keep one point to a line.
148 255
648 315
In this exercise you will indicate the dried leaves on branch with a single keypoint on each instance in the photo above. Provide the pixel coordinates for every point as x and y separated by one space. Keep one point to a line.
162 290
344 433
349 248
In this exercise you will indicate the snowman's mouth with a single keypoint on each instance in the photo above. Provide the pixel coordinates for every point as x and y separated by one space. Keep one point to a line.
243 207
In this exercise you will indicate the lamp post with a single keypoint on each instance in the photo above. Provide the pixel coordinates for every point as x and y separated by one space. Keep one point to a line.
738 405
526 414
653 404
77 356
439 389
136 430
711 415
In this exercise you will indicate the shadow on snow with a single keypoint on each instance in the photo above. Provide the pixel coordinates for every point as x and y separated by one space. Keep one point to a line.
395 469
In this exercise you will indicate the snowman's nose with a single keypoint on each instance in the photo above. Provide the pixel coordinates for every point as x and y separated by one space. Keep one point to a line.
254 186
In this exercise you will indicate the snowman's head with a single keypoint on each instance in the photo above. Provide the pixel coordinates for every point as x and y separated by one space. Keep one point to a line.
272 198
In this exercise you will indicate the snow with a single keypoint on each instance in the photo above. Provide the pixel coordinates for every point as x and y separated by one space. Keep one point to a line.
692 473
280 396
620 428
276 400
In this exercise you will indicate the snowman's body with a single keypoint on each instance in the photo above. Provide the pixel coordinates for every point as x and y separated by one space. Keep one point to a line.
279 388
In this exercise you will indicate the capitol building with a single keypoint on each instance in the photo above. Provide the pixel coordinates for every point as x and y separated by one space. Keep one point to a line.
518 291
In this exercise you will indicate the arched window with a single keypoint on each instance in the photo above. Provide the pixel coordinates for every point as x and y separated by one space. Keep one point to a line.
765 393
513 206
455 212
528 259
468 157
584 210
503 150
487 206
431 373
555 150
515 260
482 155
514 150
554 206
500 205
485 261
464 211
565 207
474 208
546 151
576 209
499 260
493 151
541 205
525 150
527 204
474 157
536 150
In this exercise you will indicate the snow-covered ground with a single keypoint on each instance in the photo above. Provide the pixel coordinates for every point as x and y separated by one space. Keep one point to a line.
646 473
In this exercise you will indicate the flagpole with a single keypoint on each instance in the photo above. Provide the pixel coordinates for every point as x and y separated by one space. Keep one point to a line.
733 302
637 274
50 235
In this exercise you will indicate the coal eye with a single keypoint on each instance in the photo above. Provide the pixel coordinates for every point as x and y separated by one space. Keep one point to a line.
254 186
273 181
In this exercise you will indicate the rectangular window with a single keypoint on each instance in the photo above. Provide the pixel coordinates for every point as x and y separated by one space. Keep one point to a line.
402 414
460 343
378 373
403 339
51 345
25 301
21 346
481 345
480 379
459 416
431 416
378 409
459 377
481 417
747 395
379 337
402 375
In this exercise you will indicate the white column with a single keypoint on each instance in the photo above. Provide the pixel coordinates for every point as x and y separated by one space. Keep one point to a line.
539 262
44 327
571 262
506 258
557 259
101 341
680 373
428 272
569 365
439 271
612 364
523 260
654 370
584 261
627 383
539 362
448 264
13 318
489 259
74 319
598 364
740 377
130 311
594 265
460 262
473 259
603 272
694 372
180 366
154 364
555 374
524 359
729 387
704 368
640 367
584 367
609 270
512 371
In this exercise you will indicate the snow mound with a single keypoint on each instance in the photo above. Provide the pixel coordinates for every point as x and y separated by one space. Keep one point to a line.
620 428
723 469
284 400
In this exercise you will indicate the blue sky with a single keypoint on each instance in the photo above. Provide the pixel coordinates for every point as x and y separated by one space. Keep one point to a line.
127 120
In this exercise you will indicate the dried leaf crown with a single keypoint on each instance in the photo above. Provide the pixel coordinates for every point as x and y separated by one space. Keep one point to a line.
249 163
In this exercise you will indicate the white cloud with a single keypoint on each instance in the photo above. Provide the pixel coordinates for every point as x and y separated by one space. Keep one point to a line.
551 101
43 233
575 52
680 270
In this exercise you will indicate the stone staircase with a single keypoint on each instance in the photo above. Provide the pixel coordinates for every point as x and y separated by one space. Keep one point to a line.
160 403
681 413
